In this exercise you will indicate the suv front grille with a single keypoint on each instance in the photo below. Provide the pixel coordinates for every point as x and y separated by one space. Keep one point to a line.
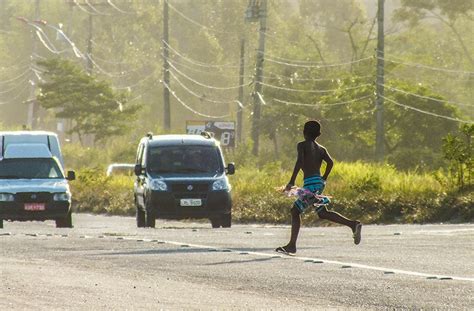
34 197
184 188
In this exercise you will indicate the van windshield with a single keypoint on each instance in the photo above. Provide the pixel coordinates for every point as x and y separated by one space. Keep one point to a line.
185 160
40 168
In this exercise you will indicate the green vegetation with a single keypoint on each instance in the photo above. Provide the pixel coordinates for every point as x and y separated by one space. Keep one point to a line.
92 106
371 193
319 64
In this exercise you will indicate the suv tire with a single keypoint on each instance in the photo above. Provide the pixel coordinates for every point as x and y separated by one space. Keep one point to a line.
226 220
65 222
1 223
150 218
215 221
141 221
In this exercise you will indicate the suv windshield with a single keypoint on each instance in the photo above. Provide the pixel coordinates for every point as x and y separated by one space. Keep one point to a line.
188 160
30 169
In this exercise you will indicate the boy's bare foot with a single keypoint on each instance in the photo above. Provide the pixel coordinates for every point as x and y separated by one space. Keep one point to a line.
287 250
357 233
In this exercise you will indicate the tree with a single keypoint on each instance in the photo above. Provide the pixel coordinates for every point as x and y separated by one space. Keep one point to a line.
447 12
412 139
92 105
459 152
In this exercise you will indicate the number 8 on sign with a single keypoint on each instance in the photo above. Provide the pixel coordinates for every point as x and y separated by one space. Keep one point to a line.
225 138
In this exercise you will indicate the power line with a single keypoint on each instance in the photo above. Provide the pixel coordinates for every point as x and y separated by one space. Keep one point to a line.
199 24
11 100
204 71
110 62
297 79
141 94
112 74
427 97
313 91
205 85
136 83
118 9
95 10
290 60
15 86
82 9
15 65
201 97
416 65
427 112
357 116
320 105
17 77
269 59
191 109
198 63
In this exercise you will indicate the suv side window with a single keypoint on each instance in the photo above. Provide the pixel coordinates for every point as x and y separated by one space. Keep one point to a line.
141 147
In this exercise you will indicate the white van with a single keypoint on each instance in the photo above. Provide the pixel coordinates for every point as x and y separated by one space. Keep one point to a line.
48 139
33 185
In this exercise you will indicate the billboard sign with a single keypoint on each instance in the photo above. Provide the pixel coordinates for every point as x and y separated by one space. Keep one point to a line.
224 132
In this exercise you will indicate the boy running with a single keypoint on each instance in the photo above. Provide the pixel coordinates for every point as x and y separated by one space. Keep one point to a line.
310 157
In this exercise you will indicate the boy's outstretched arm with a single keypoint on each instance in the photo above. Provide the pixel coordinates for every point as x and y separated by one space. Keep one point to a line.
329 164
298 166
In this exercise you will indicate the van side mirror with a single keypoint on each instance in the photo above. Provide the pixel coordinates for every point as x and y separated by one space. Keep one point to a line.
138 169
230 169
71 175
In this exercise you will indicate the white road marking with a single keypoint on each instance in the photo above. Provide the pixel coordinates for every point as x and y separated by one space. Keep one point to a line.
272 255
333 262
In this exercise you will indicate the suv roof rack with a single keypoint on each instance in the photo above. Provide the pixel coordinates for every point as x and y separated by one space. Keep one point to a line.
206 135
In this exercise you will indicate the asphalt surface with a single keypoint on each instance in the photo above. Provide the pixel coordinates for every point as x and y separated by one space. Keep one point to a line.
107 263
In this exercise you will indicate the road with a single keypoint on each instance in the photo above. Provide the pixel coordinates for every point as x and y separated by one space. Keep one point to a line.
107 263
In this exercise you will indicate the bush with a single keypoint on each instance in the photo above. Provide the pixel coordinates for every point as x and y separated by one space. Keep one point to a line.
96 193
367 192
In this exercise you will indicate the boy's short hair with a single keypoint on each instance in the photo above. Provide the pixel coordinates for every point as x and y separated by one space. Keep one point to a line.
312 129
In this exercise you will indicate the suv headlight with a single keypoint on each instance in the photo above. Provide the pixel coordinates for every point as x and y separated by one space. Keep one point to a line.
158 185
7 197
220 184
63 196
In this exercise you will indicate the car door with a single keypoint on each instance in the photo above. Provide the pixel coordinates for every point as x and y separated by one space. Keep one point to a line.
140 181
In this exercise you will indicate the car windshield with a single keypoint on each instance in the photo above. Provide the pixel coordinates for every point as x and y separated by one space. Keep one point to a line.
30 169
185 160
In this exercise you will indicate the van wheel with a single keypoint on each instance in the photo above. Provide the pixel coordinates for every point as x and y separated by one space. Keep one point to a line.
65 222
226 220
215 221
141 218
150 218
1 223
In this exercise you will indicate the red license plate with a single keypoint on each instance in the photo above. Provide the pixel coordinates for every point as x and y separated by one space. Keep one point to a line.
34 207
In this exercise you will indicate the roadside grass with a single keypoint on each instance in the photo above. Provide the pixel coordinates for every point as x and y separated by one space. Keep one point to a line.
371 193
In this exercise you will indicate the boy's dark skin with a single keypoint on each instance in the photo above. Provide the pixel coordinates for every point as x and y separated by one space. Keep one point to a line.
310 157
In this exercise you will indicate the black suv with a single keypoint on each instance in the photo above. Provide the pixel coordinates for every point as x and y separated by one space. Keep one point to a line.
182 176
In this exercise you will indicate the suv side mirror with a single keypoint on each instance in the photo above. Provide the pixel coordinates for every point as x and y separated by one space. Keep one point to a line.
138 169
71 175
230 169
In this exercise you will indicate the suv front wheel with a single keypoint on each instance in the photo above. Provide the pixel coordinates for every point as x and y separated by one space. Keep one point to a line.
65 222
224 221
150 218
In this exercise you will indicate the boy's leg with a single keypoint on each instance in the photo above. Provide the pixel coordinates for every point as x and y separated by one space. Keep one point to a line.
295 229
295 226
355 226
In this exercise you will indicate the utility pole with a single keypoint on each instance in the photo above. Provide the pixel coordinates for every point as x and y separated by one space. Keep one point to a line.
32 98
241 90
379 140
90 65
259 76
166 68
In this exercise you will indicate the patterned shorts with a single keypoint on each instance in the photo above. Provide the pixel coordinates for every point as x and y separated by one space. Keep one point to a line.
315 184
